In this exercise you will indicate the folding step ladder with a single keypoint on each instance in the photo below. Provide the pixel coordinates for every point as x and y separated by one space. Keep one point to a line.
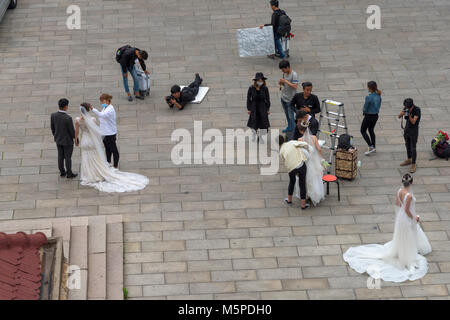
333 119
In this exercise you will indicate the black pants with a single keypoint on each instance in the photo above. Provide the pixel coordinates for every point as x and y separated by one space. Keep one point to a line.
368 123
410 143
111 149
195 85
65 154
301 172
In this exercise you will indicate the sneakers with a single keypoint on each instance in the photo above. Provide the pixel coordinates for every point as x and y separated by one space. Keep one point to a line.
139 97
130 98
406 163
413 168
370 150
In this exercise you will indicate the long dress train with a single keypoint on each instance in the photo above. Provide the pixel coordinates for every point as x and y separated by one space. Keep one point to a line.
95 171
314 185
399 259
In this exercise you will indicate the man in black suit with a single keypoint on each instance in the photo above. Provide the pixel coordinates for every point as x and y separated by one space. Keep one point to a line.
303 116
63 133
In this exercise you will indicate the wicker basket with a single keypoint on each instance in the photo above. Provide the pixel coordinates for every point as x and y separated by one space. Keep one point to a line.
346 167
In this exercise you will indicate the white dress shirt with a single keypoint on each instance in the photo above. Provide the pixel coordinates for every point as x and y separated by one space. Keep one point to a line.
107 119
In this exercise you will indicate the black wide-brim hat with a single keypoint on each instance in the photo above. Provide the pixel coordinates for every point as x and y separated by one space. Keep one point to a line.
259 75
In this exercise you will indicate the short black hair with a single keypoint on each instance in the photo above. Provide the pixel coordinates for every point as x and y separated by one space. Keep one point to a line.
144 54
284 64
274 3
62 103
408 103
175 88
281 140
300 114
306 84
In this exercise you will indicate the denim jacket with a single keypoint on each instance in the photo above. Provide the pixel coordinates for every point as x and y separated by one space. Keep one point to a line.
372 104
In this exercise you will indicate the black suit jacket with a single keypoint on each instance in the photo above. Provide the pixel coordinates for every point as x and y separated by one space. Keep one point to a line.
313 127
62 128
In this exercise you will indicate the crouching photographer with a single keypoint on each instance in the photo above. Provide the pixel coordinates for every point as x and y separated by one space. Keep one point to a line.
411 113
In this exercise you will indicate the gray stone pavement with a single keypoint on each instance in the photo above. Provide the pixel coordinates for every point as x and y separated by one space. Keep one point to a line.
223 231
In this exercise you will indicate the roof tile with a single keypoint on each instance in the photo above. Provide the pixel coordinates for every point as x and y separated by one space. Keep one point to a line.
20 265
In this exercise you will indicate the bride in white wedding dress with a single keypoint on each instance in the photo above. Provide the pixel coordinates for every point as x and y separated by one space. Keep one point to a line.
401 258
314 170
95 170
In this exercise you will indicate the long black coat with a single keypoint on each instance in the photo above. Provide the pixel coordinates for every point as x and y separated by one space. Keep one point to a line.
258 103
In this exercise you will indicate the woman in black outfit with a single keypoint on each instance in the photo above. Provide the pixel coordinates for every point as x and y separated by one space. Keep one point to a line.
258 105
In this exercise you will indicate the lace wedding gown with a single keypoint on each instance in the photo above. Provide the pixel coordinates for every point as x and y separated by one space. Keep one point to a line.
95 170
314 173
399 259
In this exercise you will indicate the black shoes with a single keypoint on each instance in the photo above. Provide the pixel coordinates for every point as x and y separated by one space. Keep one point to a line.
130 98
62 175
139 97
71 176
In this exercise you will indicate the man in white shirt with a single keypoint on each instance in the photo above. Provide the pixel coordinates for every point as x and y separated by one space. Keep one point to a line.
108 127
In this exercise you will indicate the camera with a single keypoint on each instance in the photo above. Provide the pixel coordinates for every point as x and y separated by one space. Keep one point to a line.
168 98
406 110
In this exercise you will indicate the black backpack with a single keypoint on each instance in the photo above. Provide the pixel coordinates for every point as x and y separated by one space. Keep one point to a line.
345 141
284 24
120 51
442 149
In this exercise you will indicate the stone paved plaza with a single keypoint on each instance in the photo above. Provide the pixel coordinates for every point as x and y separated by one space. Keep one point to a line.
223 231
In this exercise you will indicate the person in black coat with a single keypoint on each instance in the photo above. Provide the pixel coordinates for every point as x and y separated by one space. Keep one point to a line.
63 132
303 116
258 106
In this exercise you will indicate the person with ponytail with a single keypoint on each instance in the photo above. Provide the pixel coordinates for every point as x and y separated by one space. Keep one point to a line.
402 258
370 111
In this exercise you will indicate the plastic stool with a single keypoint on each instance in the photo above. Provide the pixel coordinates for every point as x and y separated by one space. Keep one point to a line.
330 178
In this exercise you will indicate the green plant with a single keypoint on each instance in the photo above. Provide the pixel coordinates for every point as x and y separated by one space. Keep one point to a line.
125 293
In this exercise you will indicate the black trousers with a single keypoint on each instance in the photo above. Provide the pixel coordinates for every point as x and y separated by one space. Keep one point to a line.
301 172
195 85
111 149
368 123
65 154
410 143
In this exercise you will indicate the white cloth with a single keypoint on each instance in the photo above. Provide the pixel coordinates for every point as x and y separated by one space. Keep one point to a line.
95 171
107 118
314 172
399 259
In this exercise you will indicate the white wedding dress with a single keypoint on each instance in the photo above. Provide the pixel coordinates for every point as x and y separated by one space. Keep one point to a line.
399 259
95 170
314 173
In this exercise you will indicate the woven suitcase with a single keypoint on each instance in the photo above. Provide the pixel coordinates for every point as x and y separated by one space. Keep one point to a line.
346 163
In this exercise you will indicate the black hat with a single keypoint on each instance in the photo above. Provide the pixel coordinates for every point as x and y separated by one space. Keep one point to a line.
259 75
176 88
408 103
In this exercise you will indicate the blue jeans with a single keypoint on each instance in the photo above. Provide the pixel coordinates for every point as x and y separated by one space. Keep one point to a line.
290 115
279 46
133 73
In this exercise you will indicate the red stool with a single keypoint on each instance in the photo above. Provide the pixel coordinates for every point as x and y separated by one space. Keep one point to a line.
330 178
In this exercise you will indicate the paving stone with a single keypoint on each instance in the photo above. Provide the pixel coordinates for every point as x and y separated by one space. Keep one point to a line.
212 287
331 294
198 208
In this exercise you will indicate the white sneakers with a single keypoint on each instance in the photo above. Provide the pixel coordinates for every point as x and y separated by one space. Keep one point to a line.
370 150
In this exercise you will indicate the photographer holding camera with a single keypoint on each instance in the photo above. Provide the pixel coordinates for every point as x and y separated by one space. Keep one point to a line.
179 98
411 113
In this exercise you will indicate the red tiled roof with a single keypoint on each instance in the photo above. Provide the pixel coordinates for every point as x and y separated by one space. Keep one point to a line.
20 265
